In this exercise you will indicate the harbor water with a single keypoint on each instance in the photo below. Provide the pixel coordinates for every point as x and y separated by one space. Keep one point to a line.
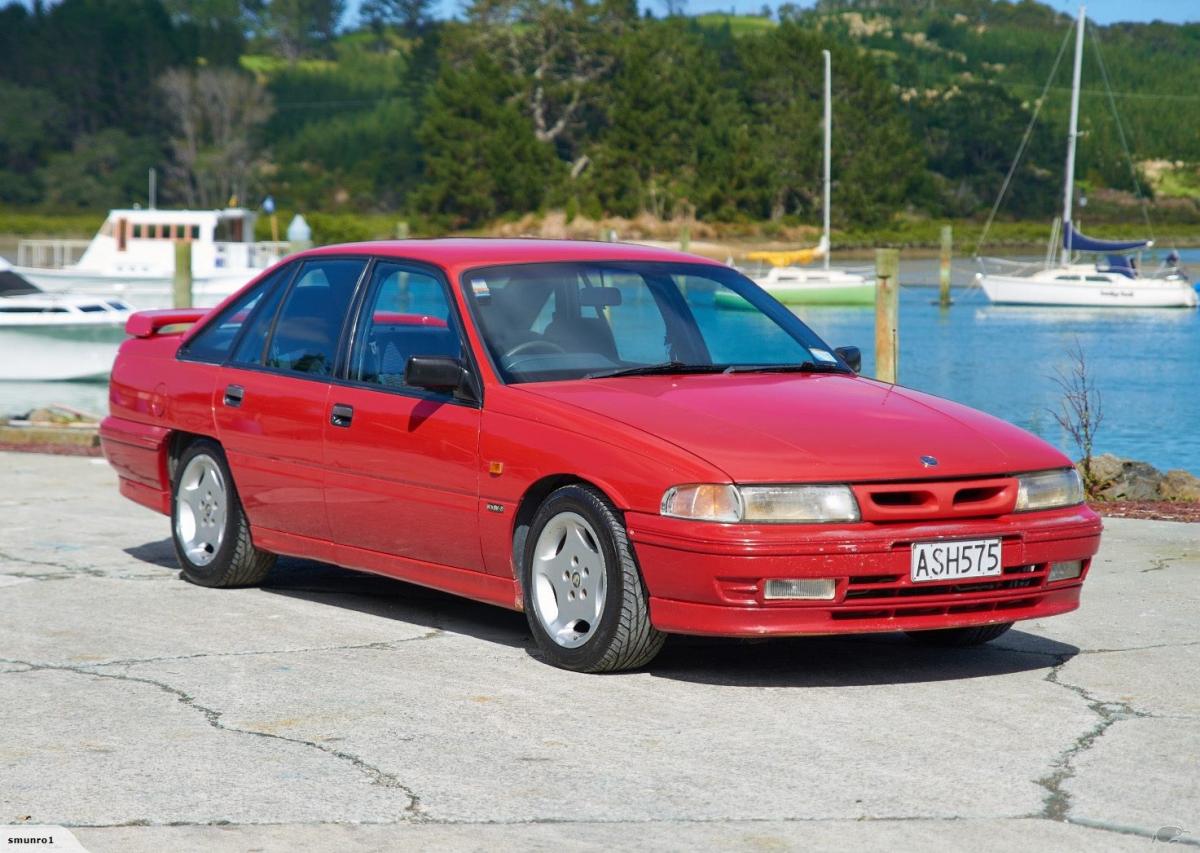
1002 360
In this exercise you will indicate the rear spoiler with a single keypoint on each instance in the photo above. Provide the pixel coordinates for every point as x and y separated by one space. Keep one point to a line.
166 321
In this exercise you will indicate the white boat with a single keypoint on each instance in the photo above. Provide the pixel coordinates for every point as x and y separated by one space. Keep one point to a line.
132 257
1064 279
52 337
790 282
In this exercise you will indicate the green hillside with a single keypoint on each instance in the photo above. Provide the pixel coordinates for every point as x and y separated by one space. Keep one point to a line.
527 106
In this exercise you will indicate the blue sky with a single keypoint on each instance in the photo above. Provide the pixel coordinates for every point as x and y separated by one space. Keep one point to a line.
1104 11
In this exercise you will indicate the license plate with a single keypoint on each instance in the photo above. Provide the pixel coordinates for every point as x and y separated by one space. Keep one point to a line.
950 561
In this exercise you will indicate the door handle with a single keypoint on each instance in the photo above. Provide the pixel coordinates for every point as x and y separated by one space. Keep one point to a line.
341 415
233 395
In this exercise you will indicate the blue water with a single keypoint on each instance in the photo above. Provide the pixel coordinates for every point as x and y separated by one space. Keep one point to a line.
1145 364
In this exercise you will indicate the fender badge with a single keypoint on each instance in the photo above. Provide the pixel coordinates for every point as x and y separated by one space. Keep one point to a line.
929 461
495 507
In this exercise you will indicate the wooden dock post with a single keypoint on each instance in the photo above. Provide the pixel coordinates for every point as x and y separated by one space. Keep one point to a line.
887 314
182 291
944 277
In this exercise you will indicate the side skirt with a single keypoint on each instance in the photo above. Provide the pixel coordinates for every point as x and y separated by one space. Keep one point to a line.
475 585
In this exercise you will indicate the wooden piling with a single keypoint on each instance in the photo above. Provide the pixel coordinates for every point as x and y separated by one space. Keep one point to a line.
182 290
887 314
944 277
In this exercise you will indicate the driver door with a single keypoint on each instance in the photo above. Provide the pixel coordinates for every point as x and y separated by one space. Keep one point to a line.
403 462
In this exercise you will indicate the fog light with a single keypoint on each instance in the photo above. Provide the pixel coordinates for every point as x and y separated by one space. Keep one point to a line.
1065 571
793 588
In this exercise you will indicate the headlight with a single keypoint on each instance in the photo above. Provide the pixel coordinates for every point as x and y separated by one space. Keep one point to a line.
765 504
1048 489
703 503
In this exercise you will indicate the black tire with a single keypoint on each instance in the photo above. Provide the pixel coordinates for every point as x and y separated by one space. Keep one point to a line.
960 637
624 638
236 562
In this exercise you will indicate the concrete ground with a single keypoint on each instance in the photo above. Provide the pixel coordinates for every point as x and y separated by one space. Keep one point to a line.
333 710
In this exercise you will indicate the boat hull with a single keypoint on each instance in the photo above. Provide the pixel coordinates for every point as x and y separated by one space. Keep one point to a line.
1132 293
141 292
55 353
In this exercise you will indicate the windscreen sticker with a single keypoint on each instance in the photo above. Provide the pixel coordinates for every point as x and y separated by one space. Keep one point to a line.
479 286
822 355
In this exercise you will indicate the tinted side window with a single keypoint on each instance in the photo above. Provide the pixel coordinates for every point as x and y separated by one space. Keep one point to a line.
407 313
214 340
250 346
310 321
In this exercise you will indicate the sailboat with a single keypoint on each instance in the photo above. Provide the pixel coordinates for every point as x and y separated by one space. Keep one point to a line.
1064 278
790 282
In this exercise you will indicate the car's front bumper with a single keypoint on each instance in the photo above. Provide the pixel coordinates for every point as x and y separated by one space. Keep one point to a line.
708 578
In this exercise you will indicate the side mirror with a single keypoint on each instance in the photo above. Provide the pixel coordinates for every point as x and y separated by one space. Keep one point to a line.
435 373
852 356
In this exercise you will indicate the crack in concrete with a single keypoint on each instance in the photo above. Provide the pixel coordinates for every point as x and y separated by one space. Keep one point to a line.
212 716
1185 839
1097 826
380 645
1140 648
1057 803
1159 563
48 563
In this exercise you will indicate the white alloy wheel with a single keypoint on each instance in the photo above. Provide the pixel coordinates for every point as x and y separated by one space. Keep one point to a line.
570 583
202 508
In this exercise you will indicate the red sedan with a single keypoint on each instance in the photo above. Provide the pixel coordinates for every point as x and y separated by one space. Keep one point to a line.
622 442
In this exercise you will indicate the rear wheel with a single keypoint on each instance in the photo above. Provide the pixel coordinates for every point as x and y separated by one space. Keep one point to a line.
584 597
953 637
208 527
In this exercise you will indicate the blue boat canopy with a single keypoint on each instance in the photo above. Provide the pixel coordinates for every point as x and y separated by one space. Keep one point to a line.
1077 241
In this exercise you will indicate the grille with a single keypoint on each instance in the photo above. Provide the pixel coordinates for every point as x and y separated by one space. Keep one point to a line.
885 596
884 502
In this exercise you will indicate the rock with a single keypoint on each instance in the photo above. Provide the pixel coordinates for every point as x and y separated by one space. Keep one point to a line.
1179 485
1106 468
1126 479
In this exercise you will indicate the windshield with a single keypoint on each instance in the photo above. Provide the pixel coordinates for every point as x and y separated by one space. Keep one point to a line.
552 321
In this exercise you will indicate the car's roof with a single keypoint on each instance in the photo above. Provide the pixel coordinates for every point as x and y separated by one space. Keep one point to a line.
457 253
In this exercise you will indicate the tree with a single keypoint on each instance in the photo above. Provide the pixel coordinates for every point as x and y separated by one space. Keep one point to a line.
556 52
667 123
1080 412
481 157
971 135
299 27
410 15
102 171
876 162
216 112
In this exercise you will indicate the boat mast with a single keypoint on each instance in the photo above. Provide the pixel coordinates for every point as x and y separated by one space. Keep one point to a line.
828 137
1073 135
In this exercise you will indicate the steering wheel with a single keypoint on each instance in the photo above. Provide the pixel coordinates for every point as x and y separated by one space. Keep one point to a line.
532 347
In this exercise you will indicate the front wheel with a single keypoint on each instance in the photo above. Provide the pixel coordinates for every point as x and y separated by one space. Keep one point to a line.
958 637
584 597
209 529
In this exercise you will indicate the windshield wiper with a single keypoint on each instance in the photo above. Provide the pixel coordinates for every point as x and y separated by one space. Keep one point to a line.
660 369
802 367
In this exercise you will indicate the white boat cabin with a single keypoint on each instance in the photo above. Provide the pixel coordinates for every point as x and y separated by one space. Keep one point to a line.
142 242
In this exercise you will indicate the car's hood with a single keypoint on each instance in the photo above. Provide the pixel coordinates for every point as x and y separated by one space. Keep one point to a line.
810 427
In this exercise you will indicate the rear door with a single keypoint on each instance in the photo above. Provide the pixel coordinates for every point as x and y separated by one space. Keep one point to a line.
271 399
402 462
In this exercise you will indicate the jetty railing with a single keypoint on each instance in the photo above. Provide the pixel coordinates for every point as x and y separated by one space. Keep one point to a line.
50 254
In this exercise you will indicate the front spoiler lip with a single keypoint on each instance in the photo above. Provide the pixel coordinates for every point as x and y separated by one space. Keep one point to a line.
685 617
